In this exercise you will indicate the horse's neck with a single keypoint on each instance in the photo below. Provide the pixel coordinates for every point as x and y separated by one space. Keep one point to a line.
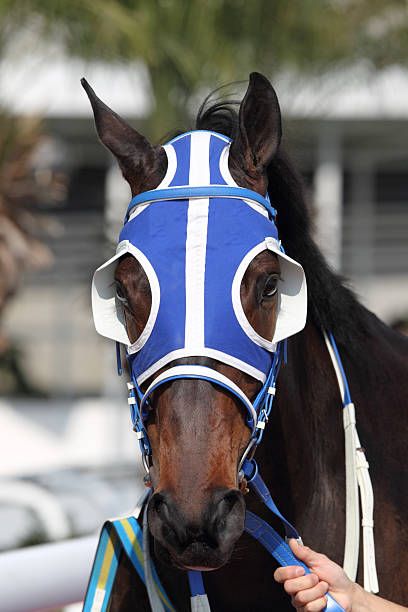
300 454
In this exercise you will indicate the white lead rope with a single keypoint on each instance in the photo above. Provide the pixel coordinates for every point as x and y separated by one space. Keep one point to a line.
199 603
367 504
352 539
357 476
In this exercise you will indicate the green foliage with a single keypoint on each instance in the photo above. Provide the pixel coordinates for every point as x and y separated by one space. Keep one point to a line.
195 44
15 383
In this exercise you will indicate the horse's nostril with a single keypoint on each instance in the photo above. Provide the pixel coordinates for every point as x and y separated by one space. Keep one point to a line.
168 520
225 505
225 514
159 505
231 498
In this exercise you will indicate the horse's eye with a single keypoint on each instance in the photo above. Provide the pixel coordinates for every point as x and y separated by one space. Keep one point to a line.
120 293
270 288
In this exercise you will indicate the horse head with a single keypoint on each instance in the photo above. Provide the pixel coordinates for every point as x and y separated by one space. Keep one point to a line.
200 298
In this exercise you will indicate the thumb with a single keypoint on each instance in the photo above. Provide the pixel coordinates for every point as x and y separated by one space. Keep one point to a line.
304 553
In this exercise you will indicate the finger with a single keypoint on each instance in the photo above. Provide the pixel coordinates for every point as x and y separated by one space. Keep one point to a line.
304 583
286 573
313 606
316 605
307 596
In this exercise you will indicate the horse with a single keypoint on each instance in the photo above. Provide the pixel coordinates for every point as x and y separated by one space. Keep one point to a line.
198 430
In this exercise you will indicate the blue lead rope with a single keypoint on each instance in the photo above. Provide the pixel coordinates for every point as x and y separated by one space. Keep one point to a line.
126 535
280 550
250 469
267 536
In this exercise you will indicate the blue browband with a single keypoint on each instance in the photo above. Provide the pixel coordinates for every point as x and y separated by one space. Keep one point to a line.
205 191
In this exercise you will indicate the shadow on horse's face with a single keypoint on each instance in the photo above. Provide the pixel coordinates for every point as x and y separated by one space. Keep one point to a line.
197 432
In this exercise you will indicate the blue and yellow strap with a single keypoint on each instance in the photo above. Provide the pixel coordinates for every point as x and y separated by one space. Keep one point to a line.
124 534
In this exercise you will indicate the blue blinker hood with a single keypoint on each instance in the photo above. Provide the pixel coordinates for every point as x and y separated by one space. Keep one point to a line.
195 235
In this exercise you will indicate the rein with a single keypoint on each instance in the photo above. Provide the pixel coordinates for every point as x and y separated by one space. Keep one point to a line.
357 477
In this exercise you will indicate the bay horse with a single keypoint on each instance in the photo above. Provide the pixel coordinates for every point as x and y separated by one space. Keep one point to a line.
198 431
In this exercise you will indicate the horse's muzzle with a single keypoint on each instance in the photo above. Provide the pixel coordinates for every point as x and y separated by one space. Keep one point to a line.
205 543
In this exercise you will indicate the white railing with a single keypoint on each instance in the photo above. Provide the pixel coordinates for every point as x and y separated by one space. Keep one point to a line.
46 506
46 577
40 436
38 440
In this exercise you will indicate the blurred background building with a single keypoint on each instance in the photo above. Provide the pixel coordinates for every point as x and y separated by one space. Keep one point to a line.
340 72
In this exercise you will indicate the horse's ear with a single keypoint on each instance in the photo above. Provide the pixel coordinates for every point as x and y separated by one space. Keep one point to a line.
136 157
260 129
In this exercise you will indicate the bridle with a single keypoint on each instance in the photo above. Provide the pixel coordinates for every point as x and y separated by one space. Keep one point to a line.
257 418
258 411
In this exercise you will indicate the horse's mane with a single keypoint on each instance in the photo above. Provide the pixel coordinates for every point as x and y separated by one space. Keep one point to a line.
331 304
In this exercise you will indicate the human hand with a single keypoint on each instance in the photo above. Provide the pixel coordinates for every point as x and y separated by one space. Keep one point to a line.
308 590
